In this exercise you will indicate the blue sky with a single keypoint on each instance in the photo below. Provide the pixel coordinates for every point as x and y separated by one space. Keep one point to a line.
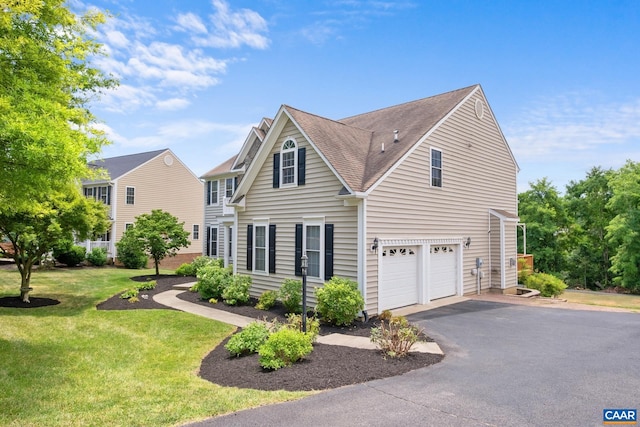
562 77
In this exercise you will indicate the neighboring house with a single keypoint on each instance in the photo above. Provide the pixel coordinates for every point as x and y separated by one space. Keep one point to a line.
138 183
219 185
404 200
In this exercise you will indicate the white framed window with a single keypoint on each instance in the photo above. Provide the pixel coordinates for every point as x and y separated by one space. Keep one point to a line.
128 225
195 235
229 187
212 244
313 246
101 193
130 196
260 245
289 163
436 168
212 192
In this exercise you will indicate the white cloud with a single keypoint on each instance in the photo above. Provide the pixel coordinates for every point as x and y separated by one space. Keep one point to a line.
191 23
172 104
571 124
127 98
235 28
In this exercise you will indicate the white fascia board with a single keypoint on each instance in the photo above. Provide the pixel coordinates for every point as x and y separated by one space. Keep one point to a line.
246 146
421 140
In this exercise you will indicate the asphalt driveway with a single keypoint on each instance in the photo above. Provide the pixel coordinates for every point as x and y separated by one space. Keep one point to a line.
506 365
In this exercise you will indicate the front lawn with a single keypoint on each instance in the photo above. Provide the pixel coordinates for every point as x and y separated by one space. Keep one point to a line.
604 299
72 365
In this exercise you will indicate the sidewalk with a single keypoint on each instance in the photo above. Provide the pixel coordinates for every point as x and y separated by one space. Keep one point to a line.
170 299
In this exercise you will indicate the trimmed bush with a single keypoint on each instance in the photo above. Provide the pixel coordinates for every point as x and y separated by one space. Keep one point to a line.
185 270
291 295
212 281
130 293
548 285
395 337
97 257
294 321
237 291
248 340
202 261
339 301
130 252
283 348
68 253
267 300
146 286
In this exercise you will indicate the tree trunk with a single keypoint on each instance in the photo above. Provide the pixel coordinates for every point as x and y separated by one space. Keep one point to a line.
25 274
157 262
24 294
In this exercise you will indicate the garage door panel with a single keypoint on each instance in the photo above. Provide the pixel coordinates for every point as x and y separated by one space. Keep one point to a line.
443 271
398 286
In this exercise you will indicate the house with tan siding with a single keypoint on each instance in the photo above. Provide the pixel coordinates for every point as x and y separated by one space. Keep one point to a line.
415 202
138 183
219 186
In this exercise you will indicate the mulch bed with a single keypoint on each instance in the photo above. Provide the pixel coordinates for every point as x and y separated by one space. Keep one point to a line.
328 366
34 302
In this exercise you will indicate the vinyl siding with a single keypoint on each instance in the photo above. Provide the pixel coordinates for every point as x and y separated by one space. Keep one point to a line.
157 186
286 207
478 173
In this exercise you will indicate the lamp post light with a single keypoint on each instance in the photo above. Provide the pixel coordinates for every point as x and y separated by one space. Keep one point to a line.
304 264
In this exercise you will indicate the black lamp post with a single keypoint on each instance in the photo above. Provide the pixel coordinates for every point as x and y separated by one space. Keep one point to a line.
304 264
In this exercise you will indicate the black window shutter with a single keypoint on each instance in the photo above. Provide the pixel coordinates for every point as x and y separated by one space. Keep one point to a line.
272 248
108 195
328 251
301 165
235 183
298 253
208 241
208 192
250 247
276 170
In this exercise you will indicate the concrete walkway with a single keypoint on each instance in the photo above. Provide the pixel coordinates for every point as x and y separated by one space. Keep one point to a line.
170 299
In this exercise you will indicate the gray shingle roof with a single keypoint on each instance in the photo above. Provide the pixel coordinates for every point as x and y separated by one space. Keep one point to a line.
118 166
353 145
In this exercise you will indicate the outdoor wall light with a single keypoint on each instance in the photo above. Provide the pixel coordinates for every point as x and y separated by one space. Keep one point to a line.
374 247
467 243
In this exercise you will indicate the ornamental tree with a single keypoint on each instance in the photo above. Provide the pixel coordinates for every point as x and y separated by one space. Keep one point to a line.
46 84
34 229
159 234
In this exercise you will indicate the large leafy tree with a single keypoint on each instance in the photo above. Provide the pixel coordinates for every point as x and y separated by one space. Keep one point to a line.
46 85
624 229
159 234
587 201
34 230
543 210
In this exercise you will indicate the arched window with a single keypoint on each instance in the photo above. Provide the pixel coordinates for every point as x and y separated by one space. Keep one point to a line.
289 163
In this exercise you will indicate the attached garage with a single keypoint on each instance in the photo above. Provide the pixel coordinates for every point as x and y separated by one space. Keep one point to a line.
399 281
418 273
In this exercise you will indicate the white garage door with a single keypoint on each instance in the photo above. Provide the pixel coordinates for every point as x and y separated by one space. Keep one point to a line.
398 285
443 271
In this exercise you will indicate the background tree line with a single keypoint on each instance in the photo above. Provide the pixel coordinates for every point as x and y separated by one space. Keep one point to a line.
590 236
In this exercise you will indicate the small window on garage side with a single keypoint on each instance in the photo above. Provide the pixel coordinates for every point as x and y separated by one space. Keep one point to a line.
436 168
130 198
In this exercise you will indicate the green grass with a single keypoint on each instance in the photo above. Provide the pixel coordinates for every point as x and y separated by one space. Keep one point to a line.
72 365
631 302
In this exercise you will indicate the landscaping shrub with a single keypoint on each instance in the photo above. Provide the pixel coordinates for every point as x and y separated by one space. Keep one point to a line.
212 280
130 293
97 257
291 295
249 339
294 321
146 286
185 269
237 291
267 300
524 272
396 336
339 301
65 252
202 261
548 285
130 252
283 348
